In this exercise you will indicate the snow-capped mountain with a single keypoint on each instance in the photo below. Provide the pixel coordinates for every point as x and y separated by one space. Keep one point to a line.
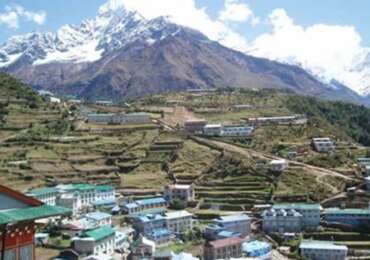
120 54
109 31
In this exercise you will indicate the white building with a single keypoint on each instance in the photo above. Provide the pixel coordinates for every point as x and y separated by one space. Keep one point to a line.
180 192
237 224
46 195
309 211
323 145
282 120
75 196
119 118
105 193
179 221
322 250
282 221
212 130
99 218
279 165
100 241
236 130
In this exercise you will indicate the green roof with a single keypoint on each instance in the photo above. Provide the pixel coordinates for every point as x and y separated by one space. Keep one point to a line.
297 206
31 213
83 186
100 233
347 211
42 191
104 188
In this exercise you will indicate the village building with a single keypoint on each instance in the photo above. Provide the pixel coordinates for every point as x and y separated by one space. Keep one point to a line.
279 165
178 222
356 218
99 218
212 130
322 250
257 249
281 120
323 145
75 196
18 214
236 130
179 192
46 195
310 212
281 221
195 126
142 248
149 205
119 118
106 103
223 248
154 227
238 225
100 241
105 194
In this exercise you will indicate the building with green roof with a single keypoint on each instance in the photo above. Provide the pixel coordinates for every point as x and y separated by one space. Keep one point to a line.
100 241
46 195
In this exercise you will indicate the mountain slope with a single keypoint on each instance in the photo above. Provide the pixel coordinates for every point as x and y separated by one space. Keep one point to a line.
120 55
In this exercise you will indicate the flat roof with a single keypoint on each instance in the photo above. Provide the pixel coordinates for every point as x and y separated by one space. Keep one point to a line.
298 206
98 215
347 211
231 218
151 201
315 244
178 214
179 186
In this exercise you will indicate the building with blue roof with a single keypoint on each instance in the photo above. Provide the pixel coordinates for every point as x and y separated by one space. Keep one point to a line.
152 226
238 223
257 249
227 234
100 218
149 205
322 250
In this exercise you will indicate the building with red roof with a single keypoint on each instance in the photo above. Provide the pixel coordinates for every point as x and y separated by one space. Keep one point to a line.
223 248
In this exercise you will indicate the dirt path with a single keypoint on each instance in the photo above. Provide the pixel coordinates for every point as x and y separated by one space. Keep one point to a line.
321 172
179 116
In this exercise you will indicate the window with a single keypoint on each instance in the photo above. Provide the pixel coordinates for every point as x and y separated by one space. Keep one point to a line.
26 252
9 254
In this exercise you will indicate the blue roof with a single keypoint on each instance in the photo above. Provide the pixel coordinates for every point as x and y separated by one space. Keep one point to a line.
151 201
105 202
160 232
315 244
97 215
130 205
256 248
297 206
150 217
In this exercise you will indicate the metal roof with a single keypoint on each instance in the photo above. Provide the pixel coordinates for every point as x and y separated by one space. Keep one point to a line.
232 218
31 213
42 191
338 211
324 245
97 215
100 233
297 206
151 201
104 188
